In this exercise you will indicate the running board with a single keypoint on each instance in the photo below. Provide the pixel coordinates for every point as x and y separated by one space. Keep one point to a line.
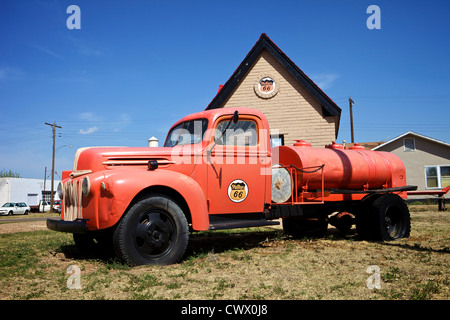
234 221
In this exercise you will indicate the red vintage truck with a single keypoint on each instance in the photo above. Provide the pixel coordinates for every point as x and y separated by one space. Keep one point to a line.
217 170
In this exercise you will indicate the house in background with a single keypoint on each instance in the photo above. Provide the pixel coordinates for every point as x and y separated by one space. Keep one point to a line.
427 161
296 108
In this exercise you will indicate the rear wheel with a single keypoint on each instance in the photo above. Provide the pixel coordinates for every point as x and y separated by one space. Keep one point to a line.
392 218
385 218
153 231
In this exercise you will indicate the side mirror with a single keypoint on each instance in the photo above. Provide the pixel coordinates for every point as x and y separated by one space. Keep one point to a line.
235 116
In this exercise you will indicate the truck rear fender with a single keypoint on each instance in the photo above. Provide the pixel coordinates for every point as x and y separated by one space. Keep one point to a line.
125 189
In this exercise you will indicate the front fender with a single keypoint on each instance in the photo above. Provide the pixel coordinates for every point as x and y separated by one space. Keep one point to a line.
120 188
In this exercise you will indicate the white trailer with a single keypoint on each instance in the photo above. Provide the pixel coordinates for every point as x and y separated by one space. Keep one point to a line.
29 191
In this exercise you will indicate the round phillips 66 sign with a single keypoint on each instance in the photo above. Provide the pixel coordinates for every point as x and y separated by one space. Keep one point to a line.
237 190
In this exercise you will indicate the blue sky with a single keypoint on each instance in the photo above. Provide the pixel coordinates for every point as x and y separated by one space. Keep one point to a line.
112 81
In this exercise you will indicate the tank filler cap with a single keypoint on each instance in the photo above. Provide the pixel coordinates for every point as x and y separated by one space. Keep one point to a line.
302 143
334 145
357 146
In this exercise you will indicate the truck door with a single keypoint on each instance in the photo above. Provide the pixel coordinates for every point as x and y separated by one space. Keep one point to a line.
236 166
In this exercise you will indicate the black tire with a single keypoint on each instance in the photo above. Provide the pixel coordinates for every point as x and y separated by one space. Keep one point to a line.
153 231
300 227
26 212
386 218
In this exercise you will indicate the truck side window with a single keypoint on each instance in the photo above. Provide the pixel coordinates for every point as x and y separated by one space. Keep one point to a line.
189 132
242 133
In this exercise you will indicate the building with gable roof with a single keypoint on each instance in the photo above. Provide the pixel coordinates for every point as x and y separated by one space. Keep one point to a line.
296 108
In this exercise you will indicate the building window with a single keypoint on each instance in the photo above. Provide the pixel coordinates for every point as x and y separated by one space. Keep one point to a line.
276 140
46 195
437 177
409 144
445 176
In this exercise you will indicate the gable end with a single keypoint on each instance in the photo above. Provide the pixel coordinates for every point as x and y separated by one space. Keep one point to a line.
329 108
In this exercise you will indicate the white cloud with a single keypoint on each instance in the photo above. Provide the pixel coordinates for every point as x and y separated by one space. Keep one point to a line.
93 121
8 73
47 51
88 131
325 80
124 121
87 116
88 51
84 49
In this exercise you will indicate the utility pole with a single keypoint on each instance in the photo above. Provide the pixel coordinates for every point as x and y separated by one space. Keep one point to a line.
351 102
43 194
54 126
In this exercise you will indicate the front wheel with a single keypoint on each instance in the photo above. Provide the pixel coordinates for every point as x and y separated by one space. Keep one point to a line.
153 231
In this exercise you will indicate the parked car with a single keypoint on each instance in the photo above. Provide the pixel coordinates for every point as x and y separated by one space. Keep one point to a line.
57 205
44 206
11 208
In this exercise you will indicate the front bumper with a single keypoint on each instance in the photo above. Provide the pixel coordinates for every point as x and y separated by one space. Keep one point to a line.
76 226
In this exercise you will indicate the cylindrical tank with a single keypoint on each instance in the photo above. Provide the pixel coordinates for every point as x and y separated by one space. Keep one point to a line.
348 169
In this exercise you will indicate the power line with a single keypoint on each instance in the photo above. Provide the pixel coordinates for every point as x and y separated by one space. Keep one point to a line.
17 140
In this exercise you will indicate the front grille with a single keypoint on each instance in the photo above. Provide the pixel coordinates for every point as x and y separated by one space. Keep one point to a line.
72 200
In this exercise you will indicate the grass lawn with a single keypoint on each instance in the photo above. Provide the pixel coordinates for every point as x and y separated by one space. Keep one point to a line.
253 263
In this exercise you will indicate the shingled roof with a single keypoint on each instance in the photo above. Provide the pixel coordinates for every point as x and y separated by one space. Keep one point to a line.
329 108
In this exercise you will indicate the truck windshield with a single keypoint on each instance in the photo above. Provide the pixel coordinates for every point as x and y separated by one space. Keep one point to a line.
188 132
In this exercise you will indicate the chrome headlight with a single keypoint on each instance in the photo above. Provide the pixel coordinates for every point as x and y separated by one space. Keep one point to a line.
86 186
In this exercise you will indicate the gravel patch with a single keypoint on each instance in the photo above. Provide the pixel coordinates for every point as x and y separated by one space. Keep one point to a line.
23 226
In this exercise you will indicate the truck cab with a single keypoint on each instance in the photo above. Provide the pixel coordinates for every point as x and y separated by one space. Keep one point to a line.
214 167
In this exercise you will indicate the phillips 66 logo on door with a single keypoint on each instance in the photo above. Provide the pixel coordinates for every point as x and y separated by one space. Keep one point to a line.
237 190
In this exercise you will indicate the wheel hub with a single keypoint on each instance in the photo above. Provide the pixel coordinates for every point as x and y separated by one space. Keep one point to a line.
154 234
392 223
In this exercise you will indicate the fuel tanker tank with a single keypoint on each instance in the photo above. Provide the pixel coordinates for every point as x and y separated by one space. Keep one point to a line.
345 169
